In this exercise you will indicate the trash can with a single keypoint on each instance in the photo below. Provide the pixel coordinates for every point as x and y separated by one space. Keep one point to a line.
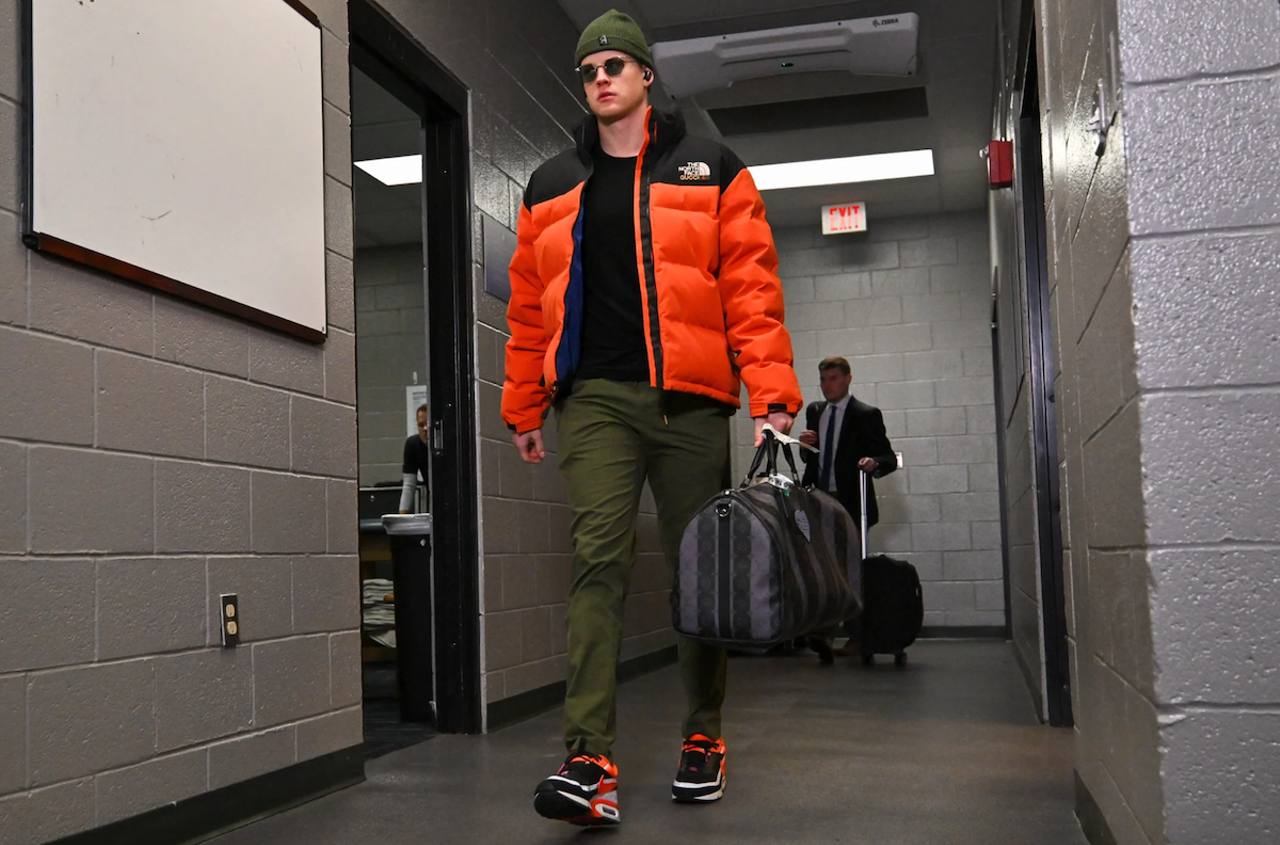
410 536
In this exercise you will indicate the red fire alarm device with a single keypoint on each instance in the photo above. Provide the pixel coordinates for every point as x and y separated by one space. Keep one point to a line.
1000 164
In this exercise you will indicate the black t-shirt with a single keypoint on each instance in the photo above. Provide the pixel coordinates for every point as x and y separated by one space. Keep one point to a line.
417 457
612 322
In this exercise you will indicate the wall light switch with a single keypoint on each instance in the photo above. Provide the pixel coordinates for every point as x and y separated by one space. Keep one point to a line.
230 610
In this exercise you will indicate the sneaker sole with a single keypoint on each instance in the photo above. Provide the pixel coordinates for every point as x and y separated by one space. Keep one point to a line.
693 796
559 806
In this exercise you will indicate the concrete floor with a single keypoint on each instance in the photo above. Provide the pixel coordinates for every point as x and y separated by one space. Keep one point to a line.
947 751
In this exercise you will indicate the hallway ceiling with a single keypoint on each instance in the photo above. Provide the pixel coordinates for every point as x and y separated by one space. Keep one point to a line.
381 127
956 71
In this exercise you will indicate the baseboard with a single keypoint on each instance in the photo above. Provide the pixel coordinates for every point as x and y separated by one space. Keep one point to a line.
1031 677
203 817
1089 814
963 632
535 702
525 705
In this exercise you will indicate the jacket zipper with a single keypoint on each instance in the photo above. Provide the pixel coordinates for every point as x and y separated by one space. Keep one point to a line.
646 252
564 300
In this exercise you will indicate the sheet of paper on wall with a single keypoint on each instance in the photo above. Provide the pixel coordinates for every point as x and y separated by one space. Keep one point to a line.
415 396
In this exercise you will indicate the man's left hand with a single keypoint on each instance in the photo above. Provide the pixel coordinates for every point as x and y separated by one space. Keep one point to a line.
868 465
780 420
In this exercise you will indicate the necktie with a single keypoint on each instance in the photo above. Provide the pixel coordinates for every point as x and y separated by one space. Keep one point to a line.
829 449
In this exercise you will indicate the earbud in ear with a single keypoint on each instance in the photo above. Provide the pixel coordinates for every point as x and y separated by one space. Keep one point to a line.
648 74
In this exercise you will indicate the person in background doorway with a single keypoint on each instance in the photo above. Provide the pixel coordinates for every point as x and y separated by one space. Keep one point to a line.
417 461
850 438
644 291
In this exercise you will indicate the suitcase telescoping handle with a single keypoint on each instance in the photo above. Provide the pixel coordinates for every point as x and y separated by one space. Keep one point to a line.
862 499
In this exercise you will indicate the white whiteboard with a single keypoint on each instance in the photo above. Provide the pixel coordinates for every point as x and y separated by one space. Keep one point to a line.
182 141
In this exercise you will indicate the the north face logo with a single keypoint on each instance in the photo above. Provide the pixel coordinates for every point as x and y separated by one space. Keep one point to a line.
695 171
604 40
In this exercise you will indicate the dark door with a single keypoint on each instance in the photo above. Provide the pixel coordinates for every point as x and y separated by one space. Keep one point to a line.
385 54
1042 395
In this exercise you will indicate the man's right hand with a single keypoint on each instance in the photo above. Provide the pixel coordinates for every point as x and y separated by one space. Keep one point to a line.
529 445
809 438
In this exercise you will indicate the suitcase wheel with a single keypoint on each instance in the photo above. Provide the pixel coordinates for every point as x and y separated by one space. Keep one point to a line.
900 659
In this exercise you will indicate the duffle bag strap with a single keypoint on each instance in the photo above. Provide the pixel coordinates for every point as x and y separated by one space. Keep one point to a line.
766 454
791 462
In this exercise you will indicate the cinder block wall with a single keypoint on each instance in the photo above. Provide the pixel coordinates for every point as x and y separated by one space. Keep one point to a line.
1166 268
1203 141
516 57
391 352
909 304
1101 485
154 454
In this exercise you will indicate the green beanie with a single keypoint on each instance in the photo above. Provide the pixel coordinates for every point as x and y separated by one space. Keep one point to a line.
614 31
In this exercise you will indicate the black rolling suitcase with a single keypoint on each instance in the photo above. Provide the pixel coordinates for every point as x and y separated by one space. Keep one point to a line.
893 606
766 561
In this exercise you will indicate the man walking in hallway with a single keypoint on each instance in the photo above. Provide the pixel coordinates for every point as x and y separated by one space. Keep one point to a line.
850 438
643 288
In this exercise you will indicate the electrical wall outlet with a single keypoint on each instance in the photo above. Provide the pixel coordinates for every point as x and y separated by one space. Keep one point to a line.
230 610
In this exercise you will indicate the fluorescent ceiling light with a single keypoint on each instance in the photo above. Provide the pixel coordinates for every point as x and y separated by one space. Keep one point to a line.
839 171
401 170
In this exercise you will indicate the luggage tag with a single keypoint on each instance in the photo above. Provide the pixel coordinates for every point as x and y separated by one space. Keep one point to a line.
787 439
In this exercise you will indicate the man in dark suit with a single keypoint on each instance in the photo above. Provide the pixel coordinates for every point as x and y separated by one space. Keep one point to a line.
850 438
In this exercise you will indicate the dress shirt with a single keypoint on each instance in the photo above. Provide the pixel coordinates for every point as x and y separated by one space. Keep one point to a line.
837 408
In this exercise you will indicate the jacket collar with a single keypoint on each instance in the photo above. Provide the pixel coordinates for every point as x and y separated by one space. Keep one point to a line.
664 129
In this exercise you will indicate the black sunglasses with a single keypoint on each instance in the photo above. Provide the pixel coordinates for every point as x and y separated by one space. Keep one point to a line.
612 66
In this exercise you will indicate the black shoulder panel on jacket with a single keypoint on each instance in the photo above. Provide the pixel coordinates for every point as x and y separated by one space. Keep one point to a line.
698 161
732 167
556 177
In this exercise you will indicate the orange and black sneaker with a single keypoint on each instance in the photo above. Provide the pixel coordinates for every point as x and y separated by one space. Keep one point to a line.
584 791
701 774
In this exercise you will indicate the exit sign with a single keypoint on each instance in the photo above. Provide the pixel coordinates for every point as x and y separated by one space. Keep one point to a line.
838 219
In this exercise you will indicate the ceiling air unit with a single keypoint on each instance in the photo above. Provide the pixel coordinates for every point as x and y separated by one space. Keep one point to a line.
883 46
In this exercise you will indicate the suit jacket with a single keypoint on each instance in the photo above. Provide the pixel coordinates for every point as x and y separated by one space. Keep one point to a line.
862 435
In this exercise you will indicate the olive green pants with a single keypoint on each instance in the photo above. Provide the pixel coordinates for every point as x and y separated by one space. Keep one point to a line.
612 437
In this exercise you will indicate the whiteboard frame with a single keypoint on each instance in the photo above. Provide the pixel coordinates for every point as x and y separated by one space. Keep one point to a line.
50 244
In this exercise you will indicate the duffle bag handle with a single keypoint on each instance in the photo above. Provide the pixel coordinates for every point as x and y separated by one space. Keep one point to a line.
767 453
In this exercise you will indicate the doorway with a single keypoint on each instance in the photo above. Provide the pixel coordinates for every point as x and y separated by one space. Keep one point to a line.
414 349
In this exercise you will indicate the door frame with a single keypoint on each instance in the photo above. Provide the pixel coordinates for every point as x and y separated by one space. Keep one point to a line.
1035 273
393 58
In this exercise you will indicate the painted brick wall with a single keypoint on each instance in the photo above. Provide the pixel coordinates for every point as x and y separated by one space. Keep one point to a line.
1165 271
1103 518
154 454
909 305
1165 267
1203 142
515 56
392 352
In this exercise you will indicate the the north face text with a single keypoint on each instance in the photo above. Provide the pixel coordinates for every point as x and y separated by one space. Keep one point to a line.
695 171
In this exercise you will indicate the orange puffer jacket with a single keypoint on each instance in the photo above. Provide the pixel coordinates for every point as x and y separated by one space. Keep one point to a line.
713 310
